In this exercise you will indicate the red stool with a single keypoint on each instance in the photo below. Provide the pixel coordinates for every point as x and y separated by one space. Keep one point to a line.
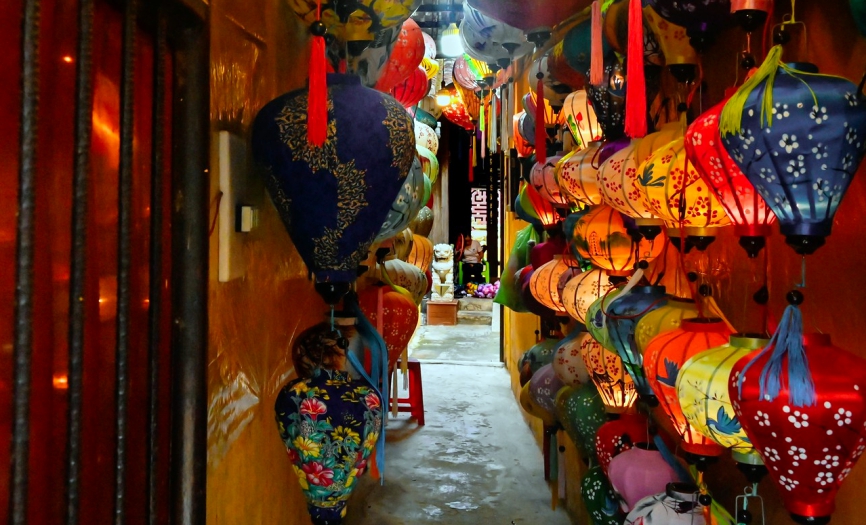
413 404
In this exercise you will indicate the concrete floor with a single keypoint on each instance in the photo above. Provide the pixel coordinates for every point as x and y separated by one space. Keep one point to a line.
474 462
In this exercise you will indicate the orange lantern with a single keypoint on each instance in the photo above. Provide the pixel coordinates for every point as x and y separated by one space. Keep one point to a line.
405 57
576 175
675 192
665 356
582 290
544 209
421 255
602 237
394 316
605 368
470 99
544 283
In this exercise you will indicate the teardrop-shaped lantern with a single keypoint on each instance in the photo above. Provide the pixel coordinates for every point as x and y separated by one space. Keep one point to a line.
334 199
523 146
429 162
554 91
405 275
602 237
638 473
665 356
700 18
545 279
614 385
576 175
398 320
491 39
527 403
543 388
423 223
582 290
405 57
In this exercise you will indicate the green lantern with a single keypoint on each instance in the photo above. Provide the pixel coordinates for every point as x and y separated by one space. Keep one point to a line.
600 499
581 412
596 322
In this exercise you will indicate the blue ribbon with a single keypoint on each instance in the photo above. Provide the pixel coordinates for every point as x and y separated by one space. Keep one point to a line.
378 377
787 341
671 460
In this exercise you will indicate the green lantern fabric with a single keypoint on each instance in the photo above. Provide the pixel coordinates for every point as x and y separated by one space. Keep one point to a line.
596 322
600 499
536 357
581 412
508 294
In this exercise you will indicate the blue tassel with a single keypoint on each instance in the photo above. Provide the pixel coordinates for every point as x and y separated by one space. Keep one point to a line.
671 460
787 341
378 377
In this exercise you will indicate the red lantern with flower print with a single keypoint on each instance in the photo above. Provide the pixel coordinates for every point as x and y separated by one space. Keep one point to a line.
751 216
394 315
405 57
457 113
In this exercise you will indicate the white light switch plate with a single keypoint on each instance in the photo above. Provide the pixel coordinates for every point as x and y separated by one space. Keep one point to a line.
234 173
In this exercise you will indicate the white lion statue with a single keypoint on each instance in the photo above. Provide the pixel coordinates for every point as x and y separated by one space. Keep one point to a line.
443 273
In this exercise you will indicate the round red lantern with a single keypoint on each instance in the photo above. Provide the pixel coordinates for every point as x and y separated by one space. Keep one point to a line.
665 356
411 90
406 56
394 316
619 435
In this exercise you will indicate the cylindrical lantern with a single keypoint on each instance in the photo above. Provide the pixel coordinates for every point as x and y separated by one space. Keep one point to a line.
582 290
623 314
808 450
580 118
816 132
398 320
618 435
599 498
543 180
675 193
745 207
614 385
665 356
602 237
702 388
543 283
663 319
678 505
568 364
638 473
575 174
581 412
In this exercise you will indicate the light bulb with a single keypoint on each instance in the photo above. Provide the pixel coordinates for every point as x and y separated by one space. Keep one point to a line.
450 44
443 98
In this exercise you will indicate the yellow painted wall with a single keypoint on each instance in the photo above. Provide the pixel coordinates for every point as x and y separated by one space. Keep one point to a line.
258 51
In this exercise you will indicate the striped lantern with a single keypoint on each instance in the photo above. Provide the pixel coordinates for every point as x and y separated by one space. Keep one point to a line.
582 290
545 279
421 255
543 179
411 90
665 357
602 237
576 175
702 389
614 385
407 275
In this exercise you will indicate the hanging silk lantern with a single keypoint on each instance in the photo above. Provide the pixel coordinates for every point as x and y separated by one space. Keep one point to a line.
406 206
530 14
394 315
463 75
656 140
638 473
608 98
431 69
596 320
700 18
745 207
543 387
543 208
529 102
665 356
457 113
533 359
702 389
561 70
402 244
422 225
426 136
526 130
615 27
329 411
808 446
531 303
576 175
602 237
577 47
429 162
524 147
334 199
545 278
580 118
369 63
524 210
356 22
816 132
421 255
619 435
678 505
623 314
675 193
411 90
619 187
581 412
582 290
599 498
527 403
406 275
542 177
544 252
615 387
555 92
568 364
430 50
489 39
405 57
663 319
470 100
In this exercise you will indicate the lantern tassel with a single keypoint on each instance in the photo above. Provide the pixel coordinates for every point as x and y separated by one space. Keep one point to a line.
596 57
635 110
317 101
732 114
540 130
786 342
670 459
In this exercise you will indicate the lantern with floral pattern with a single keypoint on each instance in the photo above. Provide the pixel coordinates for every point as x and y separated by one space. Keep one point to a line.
599 498
543 180
398 319
614 385
568 364
582 290
678 505
618 435
581 412
576 175
545 279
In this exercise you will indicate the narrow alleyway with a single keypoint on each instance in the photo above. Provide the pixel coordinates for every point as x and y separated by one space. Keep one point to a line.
475 461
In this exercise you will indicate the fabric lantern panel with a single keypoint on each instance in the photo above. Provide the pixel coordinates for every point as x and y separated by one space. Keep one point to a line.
672 39
463 75
619 187
581 412
457 113
394 315
602 237
581 119
700 18
576 175
411 90
542 177
615 387
608 98
405 275
536 357
334 199
702 389
619 435
638 473
808 450
544 210
545 279
426 136
599 498
470 100
577 47
429 162
561 70
678 505
802 154
405 57
663 319
665 356
528 404
490 39
407 204
596 318
523 146
423 223
568 364
421 255
544 386
554 91
623 314
582 290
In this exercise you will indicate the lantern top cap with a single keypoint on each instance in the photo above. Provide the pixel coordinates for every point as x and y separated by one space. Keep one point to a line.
749 341
704 324
688 492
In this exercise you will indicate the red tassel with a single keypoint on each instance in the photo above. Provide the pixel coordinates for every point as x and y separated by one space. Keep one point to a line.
596 62
540 130
317 92
635 109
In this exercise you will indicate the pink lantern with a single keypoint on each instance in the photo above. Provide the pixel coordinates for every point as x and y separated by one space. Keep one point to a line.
639 472
619 435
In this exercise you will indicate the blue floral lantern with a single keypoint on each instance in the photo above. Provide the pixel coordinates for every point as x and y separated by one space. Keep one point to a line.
799 137
334 198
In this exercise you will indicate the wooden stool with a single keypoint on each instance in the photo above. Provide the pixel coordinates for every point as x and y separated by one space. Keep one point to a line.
414 404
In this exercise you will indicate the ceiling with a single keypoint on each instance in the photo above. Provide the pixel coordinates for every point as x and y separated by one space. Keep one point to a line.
434 15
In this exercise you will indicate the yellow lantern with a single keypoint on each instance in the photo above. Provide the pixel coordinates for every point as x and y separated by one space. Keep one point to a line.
601 236
605 368
652 142
580 118
576 175
582 290
672 39
545 280
663 319
619 188
675 192
702 388
421 255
